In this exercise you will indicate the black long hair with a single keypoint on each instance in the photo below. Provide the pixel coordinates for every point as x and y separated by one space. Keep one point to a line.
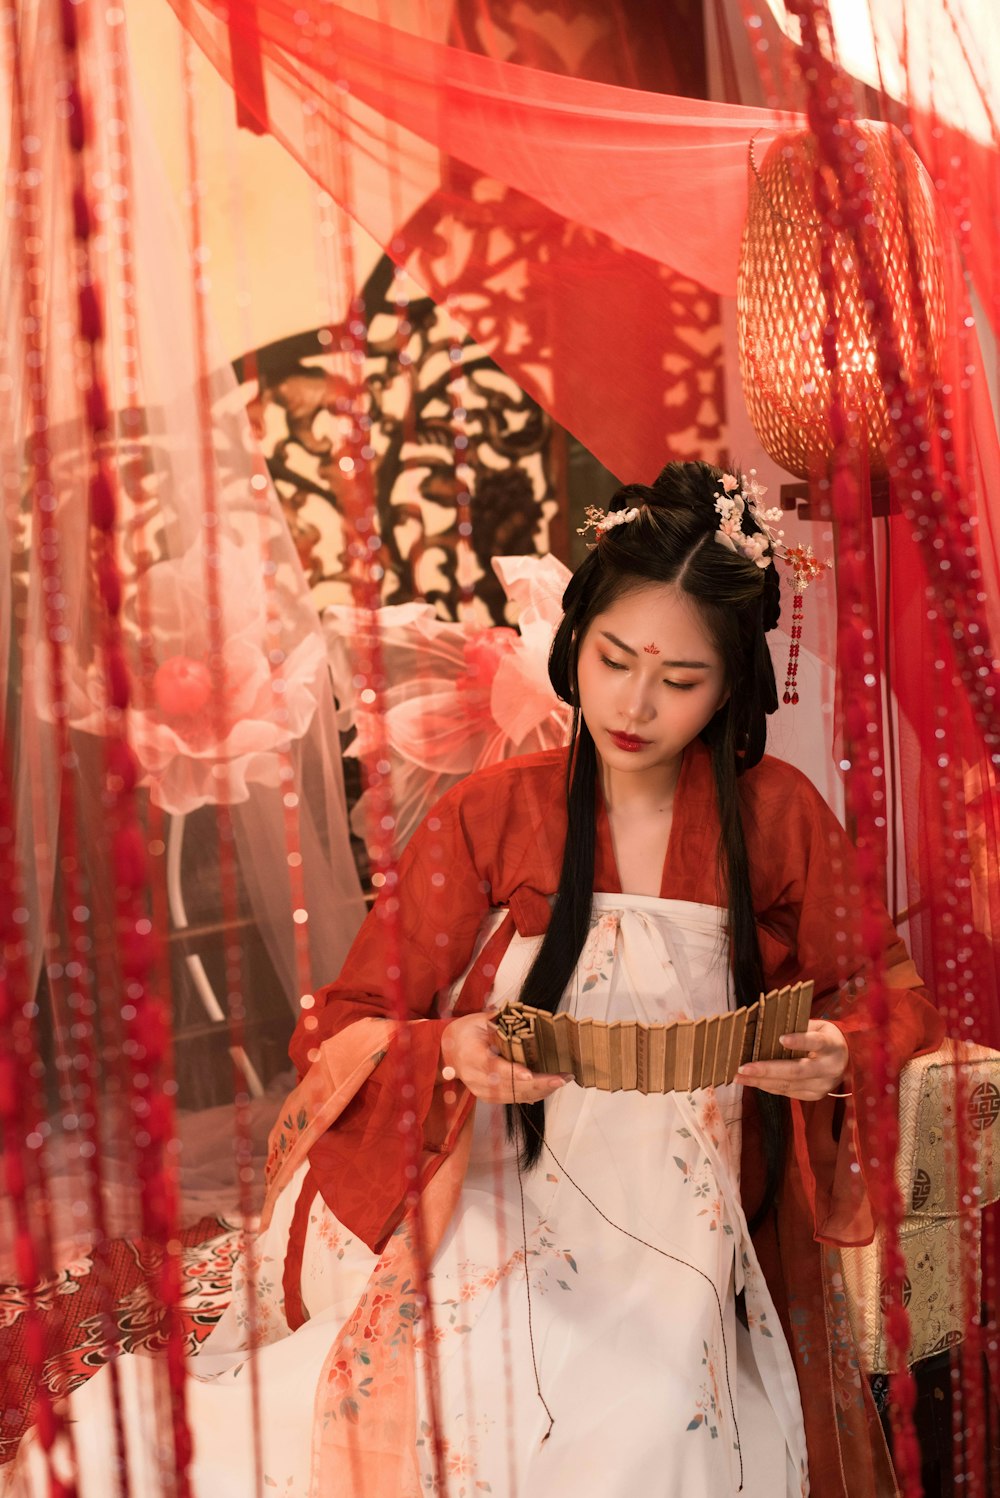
673 540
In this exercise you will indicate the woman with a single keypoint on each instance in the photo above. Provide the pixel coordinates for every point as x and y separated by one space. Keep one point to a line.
603 1319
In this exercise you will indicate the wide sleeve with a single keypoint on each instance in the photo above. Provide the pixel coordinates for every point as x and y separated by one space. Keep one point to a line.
812 928
418 937
426 925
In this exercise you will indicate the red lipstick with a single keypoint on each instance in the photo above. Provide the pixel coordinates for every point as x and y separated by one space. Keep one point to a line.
629 742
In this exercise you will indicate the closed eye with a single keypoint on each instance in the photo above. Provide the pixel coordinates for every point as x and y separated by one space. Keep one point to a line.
678 686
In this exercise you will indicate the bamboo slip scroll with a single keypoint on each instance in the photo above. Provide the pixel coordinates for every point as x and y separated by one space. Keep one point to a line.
628 1056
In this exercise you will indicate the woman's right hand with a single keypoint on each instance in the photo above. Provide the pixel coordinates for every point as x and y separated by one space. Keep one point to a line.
466 1046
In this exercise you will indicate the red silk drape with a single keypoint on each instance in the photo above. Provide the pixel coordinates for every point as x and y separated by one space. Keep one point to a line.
605 191
608 191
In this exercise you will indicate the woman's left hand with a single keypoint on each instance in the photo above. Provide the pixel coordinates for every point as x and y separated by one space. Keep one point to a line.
820 1071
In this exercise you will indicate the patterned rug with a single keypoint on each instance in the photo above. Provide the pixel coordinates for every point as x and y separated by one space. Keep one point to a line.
113 1284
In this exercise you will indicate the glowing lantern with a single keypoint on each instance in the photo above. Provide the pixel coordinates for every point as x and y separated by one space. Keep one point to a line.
782 307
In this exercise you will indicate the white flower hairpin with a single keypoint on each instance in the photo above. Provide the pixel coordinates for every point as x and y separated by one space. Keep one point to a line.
601 521
742 495
739 496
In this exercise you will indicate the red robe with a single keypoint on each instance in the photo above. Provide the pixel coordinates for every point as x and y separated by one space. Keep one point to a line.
496 840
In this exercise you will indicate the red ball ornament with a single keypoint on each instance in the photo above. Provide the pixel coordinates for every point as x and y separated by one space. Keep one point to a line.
182 686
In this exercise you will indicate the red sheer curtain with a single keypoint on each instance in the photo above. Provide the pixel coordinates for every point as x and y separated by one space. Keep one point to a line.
608 187
609 193
611 186
612 194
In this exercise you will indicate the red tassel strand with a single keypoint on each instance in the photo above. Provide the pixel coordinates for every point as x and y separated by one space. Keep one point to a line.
791 693
937 510
71 981
465 557
366 573
218 707
23 1130
143 1009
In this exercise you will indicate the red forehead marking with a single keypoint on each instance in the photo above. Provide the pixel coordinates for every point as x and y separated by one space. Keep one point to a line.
650 650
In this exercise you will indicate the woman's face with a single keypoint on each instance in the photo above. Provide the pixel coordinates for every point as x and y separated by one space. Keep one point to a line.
649 678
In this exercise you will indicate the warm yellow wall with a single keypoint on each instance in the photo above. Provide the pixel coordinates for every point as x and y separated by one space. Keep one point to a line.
260 208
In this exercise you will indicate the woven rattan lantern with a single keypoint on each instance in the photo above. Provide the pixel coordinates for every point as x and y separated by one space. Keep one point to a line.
782 309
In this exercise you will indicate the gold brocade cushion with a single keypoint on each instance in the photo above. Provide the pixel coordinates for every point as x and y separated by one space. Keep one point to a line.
939 1228
927 1168
932 1288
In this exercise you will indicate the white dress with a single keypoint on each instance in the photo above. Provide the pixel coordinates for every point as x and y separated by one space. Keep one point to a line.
656 1389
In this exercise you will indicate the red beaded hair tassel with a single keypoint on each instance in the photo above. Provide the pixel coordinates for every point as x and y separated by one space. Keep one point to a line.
791 690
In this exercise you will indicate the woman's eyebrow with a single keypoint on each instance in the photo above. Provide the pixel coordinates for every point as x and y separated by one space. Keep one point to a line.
691 665
620 643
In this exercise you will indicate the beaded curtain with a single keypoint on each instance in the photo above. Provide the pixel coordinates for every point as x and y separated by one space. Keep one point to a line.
411 119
